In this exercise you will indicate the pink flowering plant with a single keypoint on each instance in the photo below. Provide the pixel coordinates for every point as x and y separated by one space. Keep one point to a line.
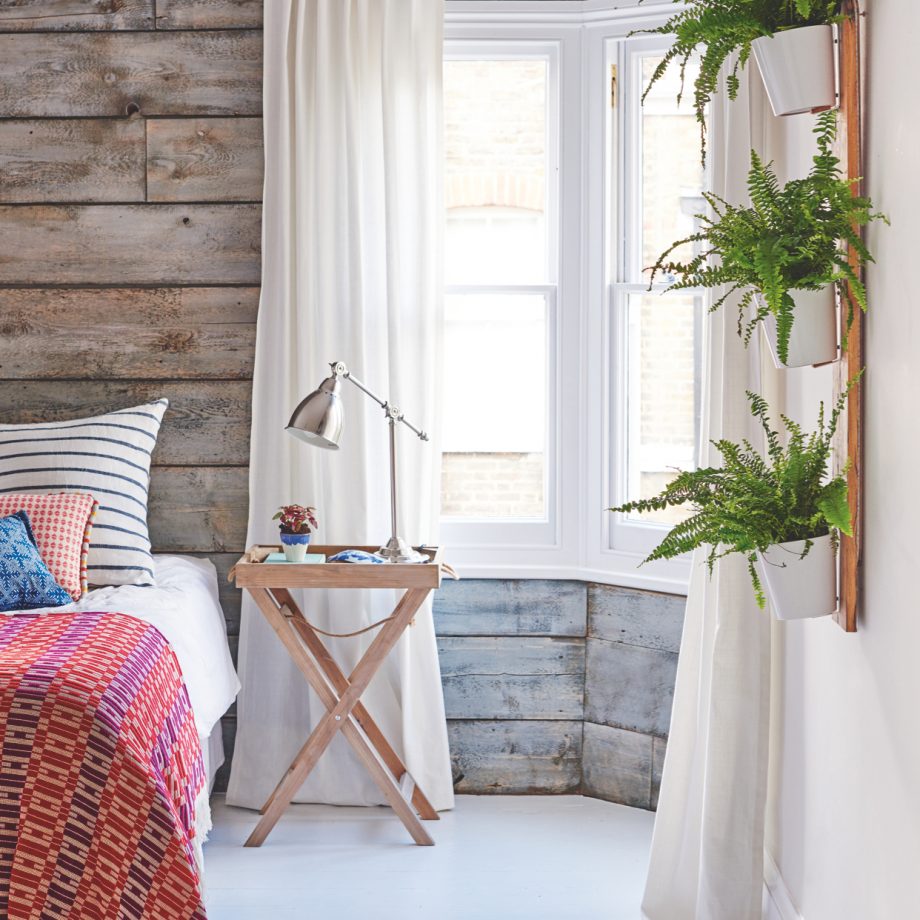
296 519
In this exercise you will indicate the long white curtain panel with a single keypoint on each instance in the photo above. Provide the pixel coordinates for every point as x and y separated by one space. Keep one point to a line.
707 849
351 272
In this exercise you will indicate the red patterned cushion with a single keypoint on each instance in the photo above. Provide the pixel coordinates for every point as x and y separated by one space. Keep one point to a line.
62 524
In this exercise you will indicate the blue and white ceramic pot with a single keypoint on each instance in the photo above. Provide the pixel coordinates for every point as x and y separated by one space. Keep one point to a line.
295 545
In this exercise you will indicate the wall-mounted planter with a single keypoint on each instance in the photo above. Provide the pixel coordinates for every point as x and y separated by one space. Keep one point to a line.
813 338
801 589
797 66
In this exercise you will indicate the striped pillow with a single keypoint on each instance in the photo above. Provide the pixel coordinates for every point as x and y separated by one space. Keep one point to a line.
107 456
61 524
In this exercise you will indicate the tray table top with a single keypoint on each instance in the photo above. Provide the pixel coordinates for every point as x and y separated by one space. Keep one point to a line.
251 571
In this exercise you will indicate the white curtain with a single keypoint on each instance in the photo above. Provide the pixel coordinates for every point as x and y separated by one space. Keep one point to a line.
707 849
351 272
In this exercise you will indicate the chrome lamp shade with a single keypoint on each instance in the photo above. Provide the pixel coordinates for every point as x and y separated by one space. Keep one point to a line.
318 418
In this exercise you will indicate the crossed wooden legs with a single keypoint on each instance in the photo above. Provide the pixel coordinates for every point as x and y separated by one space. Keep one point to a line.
345 712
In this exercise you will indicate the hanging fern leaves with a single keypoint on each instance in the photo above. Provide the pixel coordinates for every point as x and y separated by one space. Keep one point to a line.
751 503
715 29
793 237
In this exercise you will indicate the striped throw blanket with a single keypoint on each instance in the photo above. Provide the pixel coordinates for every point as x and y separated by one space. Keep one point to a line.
100 773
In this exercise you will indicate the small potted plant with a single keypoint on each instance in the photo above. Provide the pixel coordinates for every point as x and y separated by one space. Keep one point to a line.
787 253
296 523
792 41
781 513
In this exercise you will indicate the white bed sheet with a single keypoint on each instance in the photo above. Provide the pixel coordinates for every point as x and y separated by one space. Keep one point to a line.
185 608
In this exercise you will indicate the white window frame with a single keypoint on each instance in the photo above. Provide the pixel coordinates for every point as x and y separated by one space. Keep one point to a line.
578 539
508 535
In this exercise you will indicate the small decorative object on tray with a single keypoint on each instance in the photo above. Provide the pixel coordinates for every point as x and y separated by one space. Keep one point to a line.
357 555
297 523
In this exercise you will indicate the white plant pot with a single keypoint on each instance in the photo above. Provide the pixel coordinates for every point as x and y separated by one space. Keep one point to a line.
797 67
295 552
813 338
800 589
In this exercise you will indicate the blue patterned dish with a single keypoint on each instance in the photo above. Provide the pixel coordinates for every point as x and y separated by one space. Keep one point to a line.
356 555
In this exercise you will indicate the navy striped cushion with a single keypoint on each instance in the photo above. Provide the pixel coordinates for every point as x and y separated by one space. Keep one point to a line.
108 456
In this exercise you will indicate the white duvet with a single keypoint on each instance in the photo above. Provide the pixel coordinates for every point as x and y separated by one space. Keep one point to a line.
184 608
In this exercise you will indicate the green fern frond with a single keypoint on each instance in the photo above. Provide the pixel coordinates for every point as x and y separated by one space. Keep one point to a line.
714 30
752 502
793 237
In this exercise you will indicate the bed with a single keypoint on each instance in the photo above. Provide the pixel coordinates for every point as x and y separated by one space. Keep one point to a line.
152 678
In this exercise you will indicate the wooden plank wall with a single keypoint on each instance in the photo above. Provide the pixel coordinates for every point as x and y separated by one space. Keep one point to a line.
130 187
558 686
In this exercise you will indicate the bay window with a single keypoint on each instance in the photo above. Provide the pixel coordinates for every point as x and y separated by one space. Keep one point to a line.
569 386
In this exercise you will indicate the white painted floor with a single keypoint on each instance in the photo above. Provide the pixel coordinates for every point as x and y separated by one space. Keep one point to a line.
496 858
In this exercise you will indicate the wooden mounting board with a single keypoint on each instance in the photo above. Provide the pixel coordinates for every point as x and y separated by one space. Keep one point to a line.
850 438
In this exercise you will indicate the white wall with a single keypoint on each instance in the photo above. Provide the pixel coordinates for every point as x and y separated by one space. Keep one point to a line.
845 803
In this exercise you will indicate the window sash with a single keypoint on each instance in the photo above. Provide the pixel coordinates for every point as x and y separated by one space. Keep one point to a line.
582 540
510 536
628 533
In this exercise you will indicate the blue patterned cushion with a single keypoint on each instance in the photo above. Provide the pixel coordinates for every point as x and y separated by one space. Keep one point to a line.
25 582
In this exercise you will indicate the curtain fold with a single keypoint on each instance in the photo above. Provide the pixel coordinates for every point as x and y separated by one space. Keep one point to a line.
707 848
352 220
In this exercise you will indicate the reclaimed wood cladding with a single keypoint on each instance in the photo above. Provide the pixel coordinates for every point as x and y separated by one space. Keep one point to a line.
130 234
204 159
92 74
95 159
75 15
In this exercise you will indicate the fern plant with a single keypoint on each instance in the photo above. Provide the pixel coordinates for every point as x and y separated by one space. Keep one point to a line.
751 503
793 237
717 28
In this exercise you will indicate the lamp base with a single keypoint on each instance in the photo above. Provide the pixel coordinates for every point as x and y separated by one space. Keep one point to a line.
397 550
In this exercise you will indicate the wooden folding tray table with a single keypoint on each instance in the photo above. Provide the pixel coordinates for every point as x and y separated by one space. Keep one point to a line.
269 585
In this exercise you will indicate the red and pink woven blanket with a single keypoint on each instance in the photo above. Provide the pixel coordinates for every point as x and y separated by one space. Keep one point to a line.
100 771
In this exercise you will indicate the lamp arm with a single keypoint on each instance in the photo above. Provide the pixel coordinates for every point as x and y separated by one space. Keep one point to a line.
339 369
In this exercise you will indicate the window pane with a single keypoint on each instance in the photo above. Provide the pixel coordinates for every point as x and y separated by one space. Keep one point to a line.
662 394
672 172
495 192
495 406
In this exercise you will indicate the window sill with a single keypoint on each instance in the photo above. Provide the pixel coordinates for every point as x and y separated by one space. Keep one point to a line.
668 578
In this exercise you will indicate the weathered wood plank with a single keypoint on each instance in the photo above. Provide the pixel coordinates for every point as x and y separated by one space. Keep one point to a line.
617 765
147 307
659 749
130 244
195 510
636 617
89 334
101 73
512 678
72 160
204 159
490 607
75 15
209 14
516 758
629 687
207 422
